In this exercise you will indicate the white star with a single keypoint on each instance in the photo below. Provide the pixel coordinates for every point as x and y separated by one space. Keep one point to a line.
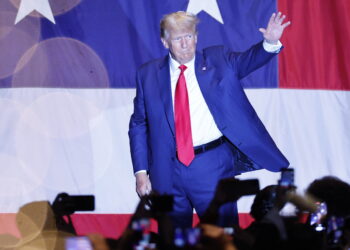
209 6
41 6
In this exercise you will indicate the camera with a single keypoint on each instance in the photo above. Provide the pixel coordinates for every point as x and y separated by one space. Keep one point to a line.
66 204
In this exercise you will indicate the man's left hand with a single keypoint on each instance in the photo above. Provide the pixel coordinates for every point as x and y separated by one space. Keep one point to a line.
275 28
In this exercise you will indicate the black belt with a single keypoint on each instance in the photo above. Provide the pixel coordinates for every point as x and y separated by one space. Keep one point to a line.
210 145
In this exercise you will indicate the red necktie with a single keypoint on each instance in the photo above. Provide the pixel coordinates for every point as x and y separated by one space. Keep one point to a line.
183 131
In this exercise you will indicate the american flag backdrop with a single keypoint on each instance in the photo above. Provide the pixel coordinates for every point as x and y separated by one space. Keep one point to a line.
67 84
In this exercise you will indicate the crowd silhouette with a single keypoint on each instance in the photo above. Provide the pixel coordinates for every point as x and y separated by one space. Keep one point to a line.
321 221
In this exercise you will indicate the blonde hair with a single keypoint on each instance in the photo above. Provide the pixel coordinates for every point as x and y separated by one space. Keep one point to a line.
177 20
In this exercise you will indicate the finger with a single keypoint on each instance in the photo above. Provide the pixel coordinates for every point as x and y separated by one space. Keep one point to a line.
141 191
282 18
149 186
262 30
272 19
286 24
280 21
278 17
148 190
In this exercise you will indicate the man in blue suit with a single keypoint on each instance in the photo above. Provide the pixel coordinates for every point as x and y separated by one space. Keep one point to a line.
193 124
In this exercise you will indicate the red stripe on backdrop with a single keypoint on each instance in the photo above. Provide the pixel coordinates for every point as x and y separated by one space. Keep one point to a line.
8 224
109 225
317 47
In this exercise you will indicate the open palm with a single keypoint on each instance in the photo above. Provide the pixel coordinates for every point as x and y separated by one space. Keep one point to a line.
275 28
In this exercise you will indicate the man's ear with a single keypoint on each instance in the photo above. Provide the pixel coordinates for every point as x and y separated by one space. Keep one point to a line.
165 43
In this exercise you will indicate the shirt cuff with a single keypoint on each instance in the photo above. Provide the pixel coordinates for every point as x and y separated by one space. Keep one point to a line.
272 48
140 171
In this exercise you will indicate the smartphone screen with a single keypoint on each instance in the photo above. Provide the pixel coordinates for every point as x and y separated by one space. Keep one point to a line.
78 243
287 177
315 218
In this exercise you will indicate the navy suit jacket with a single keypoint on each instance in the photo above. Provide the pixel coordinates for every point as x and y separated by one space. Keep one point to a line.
218 71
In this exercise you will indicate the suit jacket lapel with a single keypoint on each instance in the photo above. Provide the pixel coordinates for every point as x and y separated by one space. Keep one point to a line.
164 86
208 82
204 74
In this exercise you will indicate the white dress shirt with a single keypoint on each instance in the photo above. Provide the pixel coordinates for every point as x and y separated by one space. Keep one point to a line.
203 126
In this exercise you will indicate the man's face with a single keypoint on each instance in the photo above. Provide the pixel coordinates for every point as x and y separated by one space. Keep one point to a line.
181 43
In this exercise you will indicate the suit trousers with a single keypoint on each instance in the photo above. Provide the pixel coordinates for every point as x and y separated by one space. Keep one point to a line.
194 186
